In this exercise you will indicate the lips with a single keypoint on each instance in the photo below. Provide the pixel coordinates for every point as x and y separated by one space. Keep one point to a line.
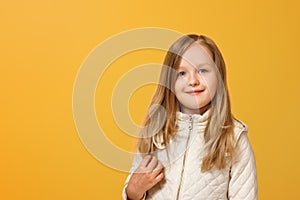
195 92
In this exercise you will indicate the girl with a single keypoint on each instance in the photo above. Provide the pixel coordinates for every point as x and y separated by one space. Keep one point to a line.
191 146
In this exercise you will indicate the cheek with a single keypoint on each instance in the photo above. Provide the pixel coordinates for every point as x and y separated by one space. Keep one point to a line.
211 84
179 84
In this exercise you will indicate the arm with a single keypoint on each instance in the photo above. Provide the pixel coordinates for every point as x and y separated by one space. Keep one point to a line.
144 174
243 180
135 163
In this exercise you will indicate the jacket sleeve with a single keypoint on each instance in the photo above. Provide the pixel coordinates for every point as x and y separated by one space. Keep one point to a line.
243 180
135 163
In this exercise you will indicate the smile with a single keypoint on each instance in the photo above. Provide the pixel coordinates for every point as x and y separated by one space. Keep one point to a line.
195 92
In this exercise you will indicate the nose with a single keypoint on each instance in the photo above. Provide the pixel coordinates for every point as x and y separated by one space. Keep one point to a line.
194 80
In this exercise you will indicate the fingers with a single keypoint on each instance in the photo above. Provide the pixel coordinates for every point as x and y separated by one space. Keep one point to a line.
150 164
145 161
148 174
158 169
159 177
159 166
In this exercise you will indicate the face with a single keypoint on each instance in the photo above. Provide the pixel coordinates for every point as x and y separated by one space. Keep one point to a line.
196 82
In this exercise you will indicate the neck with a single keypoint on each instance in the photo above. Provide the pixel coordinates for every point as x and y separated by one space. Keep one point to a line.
200 111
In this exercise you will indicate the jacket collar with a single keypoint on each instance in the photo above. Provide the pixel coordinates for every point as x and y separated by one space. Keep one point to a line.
196 118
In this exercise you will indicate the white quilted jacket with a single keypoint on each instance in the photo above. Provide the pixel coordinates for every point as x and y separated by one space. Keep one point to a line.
182 160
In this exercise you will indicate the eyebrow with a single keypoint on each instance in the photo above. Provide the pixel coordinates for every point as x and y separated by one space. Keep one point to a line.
204 64
197 66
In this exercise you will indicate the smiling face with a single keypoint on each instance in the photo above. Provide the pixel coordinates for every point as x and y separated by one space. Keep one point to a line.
196 82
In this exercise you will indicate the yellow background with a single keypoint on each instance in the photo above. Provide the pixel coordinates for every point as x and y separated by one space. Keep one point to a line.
43 43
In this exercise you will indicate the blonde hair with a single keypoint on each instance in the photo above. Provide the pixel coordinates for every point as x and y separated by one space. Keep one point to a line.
218 135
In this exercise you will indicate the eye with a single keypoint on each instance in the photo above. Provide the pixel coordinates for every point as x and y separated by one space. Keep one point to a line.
181 73
202 71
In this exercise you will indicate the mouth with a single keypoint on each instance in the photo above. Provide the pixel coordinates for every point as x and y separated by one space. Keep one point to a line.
195 92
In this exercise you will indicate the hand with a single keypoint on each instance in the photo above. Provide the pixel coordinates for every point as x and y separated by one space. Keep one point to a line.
148 174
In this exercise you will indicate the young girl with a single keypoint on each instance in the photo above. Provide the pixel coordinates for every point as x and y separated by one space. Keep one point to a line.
191 146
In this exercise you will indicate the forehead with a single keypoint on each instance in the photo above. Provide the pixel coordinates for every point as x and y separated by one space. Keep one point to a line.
197 55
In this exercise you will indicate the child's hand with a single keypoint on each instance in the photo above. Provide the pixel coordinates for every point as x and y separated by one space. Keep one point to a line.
148 174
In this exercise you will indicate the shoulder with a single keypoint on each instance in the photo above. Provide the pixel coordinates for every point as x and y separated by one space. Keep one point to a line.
239 128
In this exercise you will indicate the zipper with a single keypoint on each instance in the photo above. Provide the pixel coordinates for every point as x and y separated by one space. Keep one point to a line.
184 156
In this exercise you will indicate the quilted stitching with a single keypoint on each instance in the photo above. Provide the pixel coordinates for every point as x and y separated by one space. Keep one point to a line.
239 178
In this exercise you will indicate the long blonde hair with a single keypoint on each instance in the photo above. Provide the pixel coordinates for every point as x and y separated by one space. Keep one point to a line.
161 117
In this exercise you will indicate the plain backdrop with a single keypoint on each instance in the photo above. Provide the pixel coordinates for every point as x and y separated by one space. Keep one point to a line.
43 44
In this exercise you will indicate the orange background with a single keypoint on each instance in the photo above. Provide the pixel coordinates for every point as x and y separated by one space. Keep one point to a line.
43 43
